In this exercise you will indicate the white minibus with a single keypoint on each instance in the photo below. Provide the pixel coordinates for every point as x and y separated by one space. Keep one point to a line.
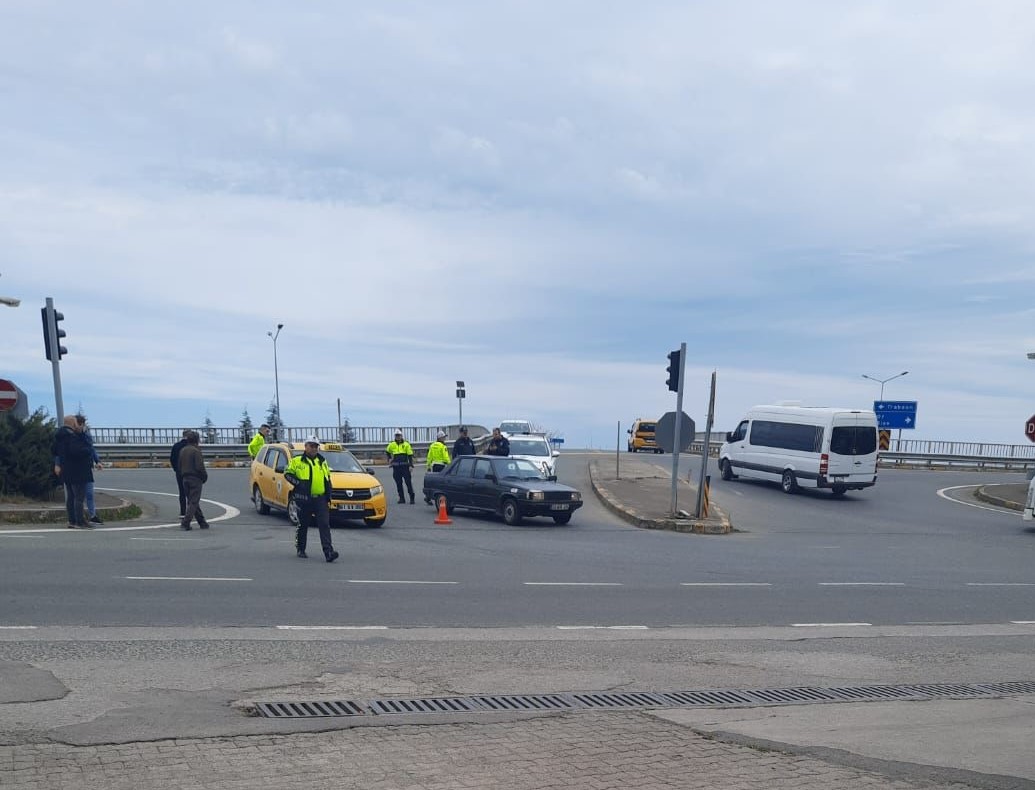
803 447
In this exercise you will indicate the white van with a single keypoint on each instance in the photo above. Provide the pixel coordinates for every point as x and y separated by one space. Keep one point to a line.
803 447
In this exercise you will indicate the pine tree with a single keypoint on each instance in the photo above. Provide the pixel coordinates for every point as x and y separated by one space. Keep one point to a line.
209 429
347 434
273 420
247 429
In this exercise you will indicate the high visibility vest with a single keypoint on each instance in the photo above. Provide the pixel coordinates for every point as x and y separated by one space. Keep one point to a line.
437 454
400 452
315 470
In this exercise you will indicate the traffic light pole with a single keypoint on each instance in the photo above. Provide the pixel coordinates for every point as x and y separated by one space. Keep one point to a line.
676 437
55 361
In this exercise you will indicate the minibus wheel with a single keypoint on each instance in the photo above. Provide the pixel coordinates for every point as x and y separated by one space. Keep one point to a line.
788 483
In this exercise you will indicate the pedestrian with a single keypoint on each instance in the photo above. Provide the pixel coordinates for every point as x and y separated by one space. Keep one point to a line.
73 463
174 462
258 440
95 463
192 469
498 444
310 477
463 445
438 457
400 458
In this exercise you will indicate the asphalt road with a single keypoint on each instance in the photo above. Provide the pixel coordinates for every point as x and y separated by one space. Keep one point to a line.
898 554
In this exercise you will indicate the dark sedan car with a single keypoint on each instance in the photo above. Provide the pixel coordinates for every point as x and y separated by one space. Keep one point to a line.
512 487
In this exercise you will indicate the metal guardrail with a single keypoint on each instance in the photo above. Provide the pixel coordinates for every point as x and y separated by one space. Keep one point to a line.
231 436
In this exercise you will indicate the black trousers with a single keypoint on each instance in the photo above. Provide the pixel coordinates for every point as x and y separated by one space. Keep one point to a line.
182 494
402 473
315 511
192 485
75 503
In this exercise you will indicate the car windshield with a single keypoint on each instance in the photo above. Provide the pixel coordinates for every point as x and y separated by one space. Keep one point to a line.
514 427
342 461
519 469
529 447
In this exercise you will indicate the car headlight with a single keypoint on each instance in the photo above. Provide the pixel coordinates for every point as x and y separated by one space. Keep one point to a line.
376 490
576 496
536 495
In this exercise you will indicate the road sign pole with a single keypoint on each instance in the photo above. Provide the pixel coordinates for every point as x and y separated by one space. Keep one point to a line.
675 443
55 362
702 507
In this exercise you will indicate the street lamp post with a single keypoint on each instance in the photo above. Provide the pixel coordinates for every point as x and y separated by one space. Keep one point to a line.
882 382
276 377
461 393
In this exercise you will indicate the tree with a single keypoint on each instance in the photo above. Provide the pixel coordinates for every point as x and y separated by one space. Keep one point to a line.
26 465
247 429
273 420
209 430
347 434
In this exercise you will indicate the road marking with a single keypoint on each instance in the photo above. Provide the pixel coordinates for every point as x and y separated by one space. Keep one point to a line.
332 627
17 628
942 493
188 578
937 622
1001 584
572 584
862 584
1014 622
391 581
11 535
826 625
602 627
725 584
165 538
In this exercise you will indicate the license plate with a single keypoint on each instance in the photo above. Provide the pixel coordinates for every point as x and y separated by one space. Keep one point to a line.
350 507
558 507
839 478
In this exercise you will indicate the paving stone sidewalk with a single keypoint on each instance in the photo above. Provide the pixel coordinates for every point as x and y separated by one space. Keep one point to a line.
599 751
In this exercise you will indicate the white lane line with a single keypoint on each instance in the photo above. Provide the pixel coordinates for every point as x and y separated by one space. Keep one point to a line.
572 584
332 627
1013 622
395 581
166 539
825 625
17 628
936 622
1001 584
11 535
725 584
862 584
602 627
188 578
942 493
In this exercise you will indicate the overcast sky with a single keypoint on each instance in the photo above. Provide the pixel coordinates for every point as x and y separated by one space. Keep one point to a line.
541 199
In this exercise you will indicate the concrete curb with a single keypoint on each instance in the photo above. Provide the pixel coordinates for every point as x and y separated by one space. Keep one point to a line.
992 499
56 514
718 525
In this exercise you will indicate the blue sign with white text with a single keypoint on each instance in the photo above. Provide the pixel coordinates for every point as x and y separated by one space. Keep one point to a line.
556 440
895 413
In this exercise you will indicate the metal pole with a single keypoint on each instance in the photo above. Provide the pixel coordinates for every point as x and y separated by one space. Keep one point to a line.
701 507
679 420
55 360
276 380
340 437
461 402
618 451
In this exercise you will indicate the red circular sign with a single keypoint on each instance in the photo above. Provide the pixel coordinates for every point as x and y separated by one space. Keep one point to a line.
9 396
1029 428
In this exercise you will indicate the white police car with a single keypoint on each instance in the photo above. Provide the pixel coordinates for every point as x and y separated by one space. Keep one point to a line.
535 448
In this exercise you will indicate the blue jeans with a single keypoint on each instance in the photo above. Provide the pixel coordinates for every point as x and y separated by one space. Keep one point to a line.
91 508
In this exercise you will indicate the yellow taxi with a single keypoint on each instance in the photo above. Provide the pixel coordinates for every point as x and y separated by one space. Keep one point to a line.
355 492
642 438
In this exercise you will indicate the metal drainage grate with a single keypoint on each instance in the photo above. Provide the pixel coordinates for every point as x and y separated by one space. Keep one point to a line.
581 701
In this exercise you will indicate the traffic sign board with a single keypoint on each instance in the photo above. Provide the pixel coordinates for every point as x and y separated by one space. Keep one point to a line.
8 395
664 431
556 440
895 413
1029 428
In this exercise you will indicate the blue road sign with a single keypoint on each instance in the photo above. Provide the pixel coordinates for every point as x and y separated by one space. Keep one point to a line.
555 440
895 413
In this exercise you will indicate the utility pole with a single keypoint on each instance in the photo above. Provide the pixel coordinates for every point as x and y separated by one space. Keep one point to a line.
707 448
679 413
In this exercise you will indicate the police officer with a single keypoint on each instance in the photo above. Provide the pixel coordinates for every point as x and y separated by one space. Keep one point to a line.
258 440
498 444
438 457
400 458
311 478
463 445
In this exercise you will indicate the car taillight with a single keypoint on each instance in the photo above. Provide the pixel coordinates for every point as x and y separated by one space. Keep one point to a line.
824 464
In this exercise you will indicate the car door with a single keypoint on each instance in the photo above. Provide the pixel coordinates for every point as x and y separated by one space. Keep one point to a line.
484 490
278 460
457 484
264 477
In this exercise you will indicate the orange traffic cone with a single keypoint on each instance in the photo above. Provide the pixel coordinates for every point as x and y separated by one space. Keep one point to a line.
443 516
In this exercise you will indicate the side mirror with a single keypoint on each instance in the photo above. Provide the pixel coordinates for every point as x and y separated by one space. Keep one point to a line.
729 436
370 470
556 453
552 478
629 431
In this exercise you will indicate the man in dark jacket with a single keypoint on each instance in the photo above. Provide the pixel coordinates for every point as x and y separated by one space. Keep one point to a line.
194 474
73 465
498 444
174 461
463 445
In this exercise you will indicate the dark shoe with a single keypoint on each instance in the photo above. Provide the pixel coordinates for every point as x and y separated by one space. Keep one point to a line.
203 525
182 515
96 520
402 501
185 527
85 525
72 526
302 555
412 502
331 556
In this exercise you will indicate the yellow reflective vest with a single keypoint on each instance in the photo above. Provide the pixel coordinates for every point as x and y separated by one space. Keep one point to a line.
437 454
256 444
399 453
311 471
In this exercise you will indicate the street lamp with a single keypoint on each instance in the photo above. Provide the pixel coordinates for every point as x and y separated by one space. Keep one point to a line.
882 382
276 375
461 393
1031 355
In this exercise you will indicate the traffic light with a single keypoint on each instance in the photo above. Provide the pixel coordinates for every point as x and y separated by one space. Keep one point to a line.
51 318
673 370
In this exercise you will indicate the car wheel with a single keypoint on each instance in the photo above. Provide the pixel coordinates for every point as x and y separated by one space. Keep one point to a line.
260 504
725 470
511 512
838 491
292 512
373 522
788 482
562 519
633 449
